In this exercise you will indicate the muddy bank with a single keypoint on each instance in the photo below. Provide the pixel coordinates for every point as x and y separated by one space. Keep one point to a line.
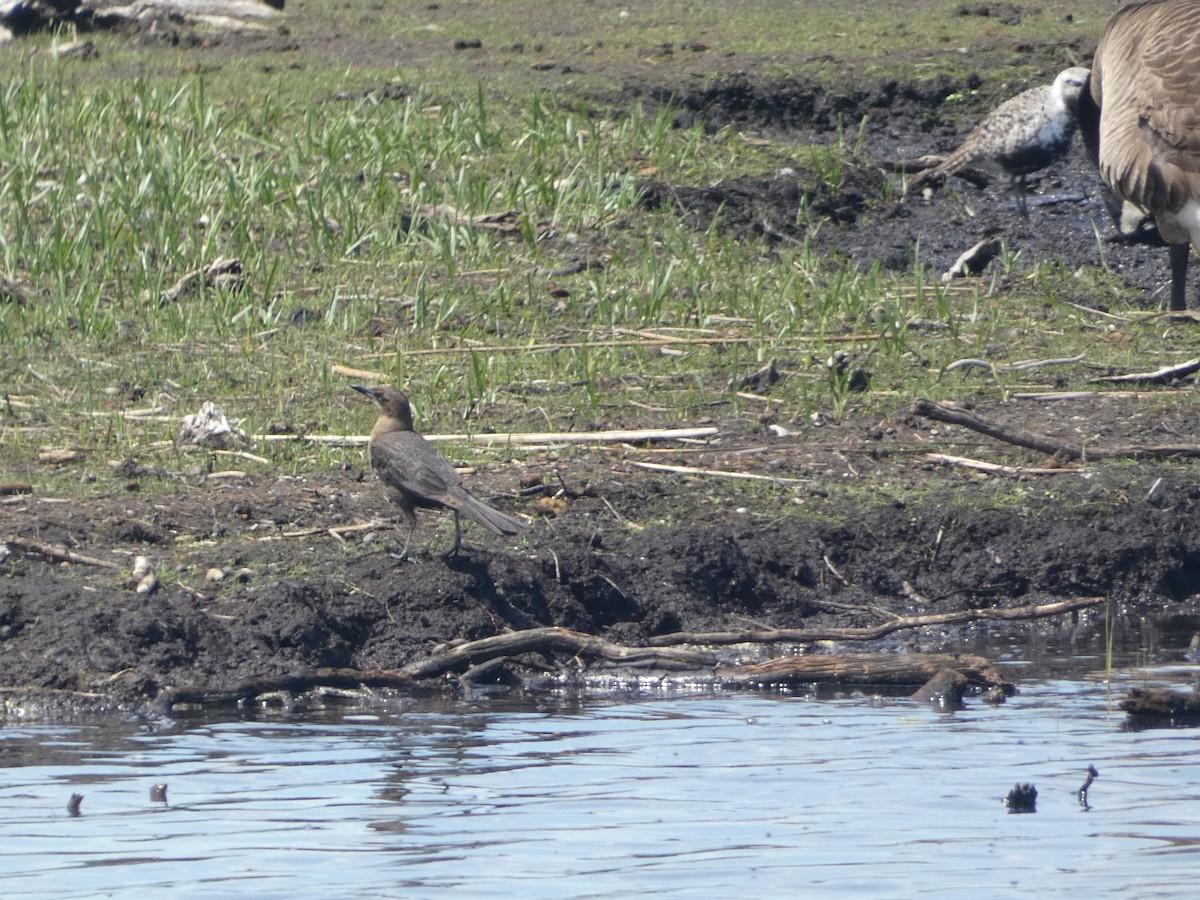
302 603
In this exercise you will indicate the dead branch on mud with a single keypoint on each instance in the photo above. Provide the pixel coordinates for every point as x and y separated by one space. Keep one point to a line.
1051 396
717 473
348 679
1024 365
338 531
871 632
560 639
536 437
864 668
996 468
956 415
477 655
56 552
973 260
1164 375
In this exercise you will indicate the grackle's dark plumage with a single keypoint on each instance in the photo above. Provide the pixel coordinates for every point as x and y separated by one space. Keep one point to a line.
417 475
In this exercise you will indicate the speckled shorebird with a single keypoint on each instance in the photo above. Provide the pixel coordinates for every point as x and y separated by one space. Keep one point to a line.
418 477
1141 120
1023 134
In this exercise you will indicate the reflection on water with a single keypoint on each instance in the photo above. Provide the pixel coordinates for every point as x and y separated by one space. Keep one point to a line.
719 796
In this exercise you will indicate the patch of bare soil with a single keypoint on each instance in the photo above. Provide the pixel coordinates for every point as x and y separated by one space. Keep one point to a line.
639 554
861 210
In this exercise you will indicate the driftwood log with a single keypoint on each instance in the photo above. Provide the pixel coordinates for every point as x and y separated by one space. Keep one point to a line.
956 415
483 658
871 632
1162 707
897 669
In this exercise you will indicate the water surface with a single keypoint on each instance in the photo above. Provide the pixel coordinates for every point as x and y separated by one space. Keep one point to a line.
713 796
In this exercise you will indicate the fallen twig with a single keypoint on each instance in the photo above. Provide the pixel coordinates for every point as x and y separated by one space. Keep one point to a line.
56 551
1081 395
974 260
338 530
995 468
716 473
1021 366
1159 376
870 632
544 437
955 415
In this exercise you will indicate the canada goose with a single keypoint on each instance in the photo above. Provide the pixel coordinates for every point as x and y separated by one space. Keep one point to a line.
1023 134
1141 120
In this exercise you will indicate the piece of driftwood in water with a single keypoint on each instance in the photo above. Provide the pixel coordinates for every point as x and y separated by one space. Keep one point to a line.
474 655
255 687
944 690
1162 706
534 640
956 415
871 632
865 668
479 657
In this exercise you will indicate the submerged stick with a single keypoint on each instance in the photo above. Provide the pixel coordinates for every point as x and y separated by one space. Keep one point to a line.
869 668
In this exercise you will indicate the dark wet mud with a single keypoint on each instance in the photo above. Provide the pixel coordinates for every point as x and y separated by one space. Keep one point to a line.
641 554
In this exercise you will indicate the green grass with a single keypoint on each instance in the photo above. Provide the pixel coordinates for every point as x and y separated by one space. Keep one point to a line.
357 226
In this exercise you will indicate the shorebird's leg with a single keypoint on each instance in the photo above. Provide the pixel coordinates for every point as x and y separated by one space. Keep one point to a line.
1018 186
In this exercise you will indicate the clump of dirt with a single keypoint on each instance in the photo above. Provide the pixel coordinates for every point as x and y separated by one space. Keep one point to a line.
778 206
